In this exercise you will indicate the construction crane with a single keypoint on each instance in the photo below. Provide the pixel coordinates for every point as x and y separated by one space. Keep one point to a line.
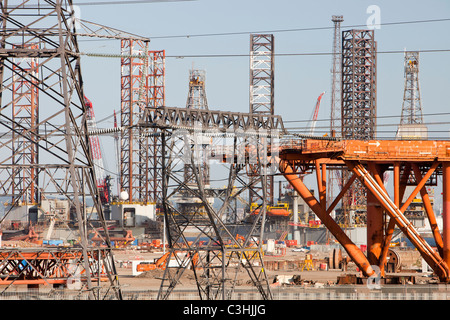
117 149
103 182
315 114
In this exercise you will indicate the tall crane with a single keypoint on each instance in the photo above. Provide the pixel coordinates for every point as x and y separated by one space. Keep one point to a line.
315 114
103 182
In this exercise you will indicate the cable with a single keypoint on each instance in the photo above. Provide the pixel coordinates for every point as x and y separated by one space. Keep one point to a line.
377 117
100 3
294 29
114 55
270 31
292 54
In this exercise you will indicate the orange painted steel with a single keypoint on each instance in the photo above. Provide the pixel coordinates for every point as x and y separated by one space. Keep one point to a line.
353 250
43 266
367 160
446 211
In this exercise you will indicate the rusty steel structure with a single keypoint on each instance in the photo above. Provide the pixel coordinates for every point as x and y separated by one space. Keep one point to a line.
336 76
50 266
215 247
367 160
358 108
47 148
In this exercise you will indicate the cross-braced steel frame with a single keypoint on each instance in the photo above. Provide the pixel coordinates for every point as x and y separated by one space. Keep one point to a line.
366 161
134 172
206 242
262 82
358 107
43 33
157 99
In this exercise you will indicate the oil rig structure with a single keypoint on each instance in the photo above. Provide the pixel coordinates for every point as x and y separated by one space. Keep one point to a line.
51 166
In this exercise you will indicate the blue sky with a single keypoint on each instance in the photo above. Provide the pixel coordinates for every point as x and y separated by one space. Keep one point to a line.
298 79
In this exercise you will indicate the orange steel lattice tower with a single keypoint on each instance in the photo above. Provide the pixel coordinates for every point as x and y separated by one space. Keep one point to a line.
25 117
335 127
156 99
412 104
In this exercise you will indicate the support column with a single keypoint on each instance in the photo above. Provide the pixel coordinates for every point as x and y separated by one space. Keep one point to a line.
374 222
446 210
374 229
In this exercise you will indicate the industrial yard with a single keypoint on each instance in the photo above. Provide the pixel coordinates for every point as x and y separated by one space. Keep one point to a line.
113 189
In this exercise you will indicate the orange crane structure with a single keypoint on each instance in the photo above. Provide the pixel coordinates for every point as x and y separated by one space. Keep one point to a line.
315 114
366 160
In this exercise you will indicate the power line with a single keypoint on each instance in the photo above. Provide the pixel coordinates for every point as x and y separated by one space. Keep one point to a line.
180 56
99 3
294 29
250 32
378 117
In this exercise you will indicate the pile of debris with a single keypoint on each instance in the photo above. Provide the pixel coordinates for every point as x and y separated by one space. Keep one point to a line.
296 280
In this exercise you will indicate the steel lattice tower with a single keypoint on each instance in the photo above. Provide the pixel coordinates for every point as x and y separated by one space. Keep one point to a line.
25 116
335 108
262 74
336 76
134 172
358 106
412 104
157 99
197 100
358 85
40 57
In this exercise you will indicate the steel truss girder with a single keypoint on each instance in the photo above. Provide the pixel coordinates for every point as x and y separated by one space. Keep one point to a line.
50 266
135 92
222 121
